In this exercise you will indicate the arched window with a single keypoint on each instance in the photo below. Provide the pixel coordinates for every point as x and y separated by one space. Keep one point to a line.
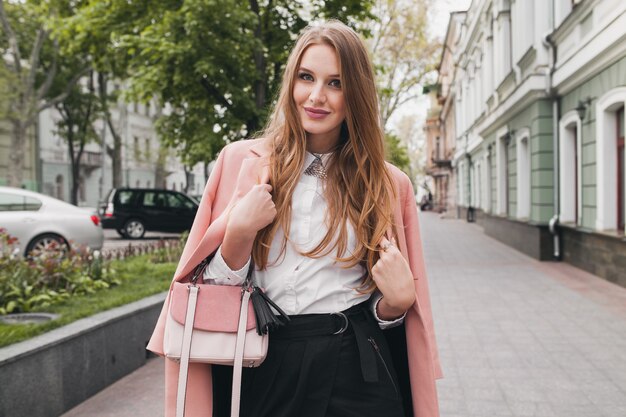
621 179
523 173
58 193
610 160
502 172
569 168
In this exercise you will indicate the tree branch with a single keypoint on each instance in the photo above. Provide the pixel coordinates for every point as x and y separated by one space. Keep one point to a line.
52 72
66 90
214 93
34 61
15 49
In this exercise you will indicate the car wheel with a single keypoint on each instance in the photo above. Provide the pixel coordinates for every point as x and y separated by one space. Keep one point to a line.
134 229
47 243
121 232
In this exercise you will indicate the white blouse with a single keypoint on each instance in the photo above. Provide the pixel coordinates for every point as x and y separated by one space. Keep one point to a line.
298 284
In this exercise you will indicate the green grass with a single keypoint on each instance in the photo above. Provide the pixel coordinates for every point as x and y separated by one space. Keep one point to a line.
140 278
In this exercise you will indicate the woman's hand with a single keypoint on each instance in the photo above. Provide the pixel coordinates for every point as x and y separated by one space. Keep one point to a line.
252 213
394 279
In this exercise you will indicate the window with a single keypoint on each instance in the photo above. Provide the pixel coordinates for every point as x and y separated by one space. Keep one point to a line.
570 168
148 151
136 150
14 202
152 199
610 160
523 174
59 187
502 173
621 192
126 198
178 201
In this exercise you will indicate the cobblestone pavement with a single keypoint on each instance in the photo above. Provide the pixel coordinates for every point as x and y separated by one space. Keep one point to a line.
517 337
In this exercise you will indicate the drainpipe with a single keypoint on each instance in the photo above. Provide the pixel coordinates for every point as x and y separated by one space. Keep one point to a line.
548 42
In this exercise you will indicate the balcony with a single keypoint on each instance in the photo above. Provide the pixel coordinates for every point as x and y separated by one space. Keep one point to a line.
91 159
440 161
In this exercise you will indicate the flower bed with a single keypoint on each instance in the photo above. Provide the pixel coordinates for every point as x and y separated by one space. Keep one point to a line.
78 283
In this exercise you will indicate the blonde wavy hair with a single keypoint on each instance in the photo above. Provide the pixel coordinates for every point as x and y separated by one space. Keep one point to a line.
359 188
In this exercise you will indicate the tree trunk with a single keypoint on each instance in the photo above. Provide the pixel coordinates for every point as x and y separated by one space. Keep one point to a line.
15 174
114 153
187 178
159 172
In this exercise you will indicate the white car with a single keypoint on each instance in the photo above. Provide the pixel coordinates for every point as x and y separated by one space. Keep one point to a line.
40 222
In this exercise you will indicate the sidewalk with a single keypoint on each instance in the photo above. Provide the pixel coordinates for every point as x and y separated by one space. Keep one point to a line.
516 337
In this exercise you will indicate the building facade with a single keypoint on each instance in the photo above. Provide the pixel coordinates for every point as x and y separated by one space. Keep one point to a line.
48 168
440 123
539 91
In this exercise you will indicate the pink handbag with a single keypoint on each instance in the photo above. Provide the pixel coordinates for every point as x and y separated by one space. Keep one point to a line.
224 332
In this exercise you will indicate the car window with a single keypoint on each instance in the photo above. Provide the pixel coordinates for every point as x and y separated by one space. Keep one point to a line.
175 201
14 202
153 199
126 198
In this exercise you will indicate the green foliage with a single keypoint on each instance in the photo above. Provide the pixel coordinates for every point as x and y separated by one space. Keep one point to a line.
79 284
55 276
397 153
216 63
52 277
139 278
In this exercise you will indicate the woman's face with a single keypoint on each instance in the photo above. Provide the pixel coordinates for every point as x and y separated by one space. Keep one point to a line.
318 95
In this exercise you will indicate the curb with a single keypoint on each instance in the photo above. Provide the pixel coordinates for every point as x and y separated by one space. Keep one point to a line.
53 372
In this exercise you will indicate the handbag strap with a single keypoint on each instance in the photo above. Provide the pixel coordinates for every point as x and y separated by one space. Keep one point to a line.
238 365
184 355
186 349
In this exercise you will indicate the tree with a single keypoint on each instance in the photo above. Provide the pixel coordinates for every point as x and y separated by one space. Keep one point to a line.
403 54
397 153
217 64
79 111
31 78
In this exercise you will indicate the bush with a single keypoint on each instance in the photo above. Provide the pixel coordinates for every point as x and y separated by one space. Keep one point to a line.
50 278
28 284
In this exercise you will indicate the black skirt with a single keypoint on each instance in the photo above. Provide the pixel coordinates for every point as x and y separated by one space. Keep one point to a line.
319 365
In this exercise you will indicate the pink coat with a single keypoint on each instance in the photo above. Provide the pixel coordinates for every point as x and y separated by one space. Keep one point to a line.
239 166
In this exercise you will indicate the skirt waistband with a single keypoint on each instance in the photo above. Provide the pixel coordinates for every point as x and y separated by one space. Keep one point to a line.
325 324
355 320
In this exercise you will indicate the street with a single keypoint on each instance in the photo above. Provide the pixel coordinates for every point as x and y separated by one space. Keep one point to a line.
517 337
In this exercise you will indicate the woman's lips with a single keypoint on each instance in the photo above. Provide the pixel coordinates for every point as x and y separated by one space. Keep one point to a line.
316 113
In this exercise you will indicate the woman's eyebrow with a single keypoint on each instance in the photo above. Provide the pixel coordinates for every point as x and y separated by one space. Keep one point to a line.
312 72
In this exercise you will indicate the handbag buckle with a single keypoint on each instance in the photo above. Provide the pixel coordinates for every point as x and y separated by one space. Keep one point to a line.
345 324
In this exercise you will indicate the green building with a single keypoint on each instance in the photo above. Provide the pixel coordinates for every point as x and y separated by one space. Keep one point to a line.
540 88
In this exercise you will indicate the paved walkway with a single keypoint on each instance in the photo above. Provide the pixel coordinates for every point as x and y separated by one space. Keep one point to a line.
517 337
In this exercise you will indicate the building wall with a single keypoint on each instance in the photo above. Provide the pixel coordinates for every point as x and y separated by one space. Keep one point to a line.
606 80
30 173
518 96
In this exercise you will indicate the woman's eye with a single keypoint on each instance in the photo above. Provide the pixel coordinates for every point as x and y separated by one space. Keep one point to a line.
336 83
305 76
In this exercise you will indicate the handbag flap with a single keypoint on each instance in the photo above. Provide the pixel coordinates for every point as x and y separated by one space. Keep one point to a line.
217 310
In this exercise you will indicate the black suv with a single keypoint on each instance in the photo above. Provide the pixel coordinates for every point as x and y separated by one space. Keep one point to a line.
132 211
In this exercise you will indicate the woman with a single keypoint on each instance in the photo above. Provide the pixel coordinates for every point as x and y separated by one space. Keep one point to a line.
333 233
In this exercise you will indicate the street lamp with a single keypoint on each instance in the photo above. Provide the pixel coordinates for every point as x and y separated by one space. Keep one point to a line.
581 109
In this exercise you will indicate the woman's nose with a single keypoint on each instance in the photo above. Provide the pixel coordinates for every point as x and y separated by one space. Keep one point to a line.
317 94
